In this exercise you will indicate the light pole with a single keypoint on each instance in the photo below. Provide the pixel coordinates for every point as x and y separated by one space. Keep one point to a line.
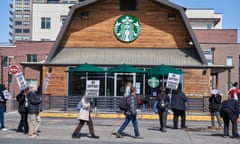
9 63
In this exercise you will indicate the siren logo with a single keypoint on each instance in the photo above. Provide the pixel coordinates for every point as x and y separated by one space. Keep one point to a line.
127 28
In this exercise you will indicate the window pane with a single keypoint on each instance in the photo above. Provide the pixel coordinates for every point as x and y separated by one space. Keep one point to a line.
229 61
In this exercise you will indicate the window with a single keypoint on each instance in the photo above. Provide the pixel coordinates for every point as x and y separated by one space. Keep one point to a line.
171 17
26 9
26 16
18 9
45 23
229 61
26 30
209 26
32 82
18 22
18 38
18 16
18 1
31 57
26 38
63 19
5 61
18 30
84 15
26 2
128 5
26 23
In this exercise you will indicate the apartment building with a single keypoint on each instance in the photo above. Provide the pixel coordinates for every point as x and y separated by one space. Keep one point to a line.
22 17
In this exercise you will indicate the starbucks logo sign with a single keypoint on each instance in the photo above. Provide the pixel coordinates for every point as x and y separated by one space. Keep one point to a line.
127 28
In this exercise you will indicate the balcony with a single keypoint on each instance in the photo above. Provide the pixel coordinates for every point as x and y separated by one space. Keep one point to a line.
11 6
10 26
10 33
10 18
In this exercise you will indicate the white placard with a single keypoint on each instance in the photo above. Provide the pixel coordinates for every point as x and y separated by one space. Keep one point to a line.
92 88
46 83
6 94
22 84
173 81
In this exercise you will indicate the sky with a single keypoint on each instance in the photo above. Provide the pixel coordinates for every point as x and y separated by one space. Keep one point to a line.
228 8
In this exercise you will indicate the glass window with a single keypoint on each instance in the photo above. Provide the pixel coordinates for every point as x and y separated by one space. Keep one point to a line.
18 22
18 30
5 61
18 9
26 9
31 57
26 23
18 16
45 22
26 16
128 5
26 37
26 2
229 61
18 38
209 26
26 30
18 1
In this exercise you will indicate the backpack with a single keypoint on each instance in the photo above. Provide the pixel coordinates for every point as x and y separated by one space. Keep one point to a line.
123 105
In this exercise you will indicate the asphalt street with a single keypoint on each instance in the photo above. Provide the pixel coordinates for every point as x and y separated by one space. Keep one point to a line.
59 130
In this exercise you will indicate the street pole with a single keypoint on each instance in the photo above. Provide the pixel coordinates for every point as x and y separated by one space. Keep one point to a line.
1 69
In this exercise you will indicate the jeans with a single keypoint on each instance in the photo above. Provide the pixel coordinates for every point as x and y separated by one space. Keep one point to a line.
2 117
217 114
129 118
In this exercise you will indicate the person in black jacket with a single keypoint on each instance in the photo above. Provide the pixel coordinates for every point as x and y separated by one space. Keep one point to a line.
162 105
214 108
178 107
230 112
34 102
23 111
3 102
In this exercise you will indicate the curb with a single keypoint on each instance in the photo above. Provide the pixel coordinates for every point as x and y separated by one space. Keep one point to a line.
121 116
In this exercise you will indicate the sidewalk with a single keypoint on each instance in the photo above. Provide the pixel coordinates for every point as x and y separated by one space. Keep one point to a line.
58 130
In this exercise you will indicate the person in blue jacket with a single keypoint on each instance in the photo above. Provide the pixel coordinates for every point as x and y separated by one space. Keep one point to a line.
230 112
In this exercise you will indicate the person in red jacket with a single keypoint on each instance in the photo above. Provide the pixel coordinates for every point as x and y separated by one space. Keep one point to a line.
234 91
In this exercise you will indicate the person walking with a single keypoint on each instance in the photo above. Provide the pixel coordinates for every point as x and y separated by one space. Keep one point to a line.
23 111
3 102
162 106
34 102
230 112
178 107
214 108
84 116
130 115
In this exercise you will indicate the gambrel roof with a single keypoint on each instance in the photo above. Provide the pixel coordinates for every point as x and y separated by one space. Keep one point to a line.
190 57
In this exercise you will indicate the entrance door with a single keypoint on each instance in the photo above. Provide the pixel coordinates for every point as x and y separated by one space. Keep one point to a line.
120 79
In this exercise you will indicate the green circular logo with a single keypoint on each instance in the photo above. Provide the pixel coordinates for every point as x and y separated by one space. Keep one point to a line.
153 82
127 28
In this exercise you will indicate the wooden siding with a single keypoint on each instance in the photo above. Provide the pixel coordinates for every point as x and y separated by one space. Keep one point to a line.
97 31
196 83
57 85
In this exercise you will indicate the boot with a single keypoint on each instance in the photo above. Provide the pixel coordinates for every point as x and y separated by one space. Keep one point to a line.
76 135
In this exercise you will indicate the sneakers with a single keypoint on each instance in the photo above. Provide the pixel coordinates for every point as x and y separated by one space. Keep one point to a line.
212 127
93 136
4 129
220 128
32 135
119 135
139 137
